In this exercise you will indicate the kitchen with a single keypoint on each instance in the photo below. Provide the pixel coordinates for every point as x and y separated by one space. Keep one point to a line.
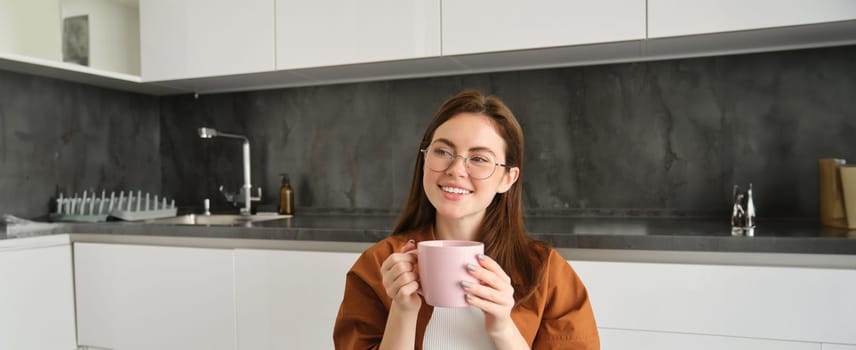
645 117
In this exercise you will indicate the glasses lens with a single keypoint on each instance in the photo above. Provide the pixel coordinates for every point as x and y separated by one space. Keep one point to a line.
438 158
479 165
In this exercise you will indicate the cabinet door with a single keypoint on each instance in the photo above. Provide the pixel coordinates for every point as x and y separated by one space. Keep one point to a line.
37 299
838 347
146 297
474 26
622 339
773 303
288 299
204 38
668 18
334 32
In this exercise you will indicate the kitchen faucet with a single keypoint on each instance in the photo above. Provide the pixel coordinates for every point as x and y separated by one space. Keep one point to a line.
244 196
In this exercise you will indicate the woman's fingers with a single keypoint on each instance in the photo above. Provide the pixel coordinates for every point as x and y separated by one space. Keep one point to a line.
487 305
494 292
405 285
402 256
410 245
397 265
503 295
402 261
409 288
400 278
397 272
489 272
406 278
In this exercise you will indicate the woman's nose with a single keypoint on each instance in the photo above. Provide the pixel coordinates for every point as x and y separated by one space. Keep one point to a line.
458 168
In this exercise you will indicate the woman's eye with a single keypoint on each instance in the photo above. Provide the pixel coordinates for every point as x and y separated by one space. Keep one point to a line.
442 152
480 160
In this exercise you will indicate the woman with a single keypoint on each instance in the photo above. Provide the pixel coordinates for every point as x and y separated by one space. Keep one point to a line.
528 296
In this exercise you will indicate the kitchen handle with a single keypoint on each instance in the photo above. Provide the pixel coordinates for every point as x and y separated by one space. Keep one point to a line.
91 347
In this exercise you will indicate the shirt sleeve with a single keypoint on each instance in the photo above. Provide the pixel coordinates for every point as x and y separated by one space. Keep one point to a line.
568 320
362 315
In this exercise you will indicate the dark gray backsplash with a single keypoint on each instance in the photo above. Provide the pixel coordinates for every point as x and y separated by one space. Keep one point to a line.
665 136
670 135
75 137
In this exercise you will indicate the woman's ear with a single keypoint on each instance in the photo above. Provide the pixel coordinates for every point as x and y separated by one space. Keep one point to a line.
508 179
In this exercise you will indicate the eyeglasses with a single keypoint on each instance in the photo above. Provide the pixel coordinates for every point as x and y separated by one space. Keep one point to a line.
479 165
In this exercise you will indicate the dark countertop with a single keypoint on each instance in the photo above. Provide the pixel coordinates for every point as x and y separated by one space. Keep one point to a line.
657 234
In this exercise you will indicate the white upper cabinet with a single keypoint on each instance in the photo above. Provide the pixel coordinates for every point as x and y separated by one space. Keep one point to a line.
205 38
228 45
477 26
667 18
314 33
31 29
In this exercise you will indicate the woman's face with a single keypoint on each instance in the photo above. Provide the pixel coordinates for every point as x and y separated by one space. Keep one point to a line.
453 192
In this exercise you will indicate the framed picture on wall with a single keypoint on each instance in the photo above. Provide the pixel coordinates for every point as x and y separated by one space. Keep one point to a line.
75 40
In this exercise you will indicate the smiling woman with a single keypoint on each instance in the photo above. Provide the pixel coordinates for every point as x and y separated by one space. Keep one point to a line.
527 296
461 192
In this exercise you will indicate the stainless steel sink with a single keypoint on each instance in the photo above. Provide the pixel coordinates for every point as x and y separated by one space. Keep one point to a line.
215 220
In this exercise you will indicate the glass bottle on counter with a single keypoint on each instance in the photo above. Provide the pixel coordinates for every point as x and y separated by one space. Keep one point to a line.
286 197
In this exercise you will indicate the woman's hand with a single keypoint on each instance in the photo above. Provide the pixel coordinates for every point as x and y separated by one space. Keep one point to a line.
400 280
401 283
494 295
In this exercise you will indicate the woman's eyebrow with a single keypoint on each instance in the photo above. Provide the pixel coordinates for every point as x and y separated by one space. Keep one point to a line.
472 149
447 142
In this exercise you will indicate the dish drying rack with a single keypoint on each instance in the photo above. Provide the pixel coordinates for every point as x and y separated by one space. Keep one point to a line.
131 207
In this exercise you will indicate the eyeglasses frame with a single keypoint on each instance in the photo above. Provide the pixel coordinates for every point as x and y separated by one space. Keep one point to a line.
466 164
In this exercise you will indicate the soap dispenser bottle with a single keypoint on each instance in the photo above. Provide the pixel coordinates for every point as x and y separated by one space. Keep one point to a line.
286 197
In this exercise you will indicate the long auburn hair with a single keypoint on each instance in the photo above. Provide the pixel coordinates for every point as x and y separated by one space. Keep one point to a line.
502 229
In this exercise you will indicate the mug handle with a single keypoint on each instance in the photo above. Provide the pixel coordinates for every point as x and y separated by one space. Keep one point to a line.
416 251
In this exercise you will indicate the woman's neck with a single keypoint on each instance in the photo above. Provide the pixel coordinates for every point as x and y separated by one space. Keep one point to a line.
463 229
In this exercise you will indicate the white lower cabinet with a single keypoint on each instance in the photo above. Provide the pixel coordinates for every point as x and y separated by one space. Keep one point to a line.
133 297
631 339
838 347
288 299
671 306
37 299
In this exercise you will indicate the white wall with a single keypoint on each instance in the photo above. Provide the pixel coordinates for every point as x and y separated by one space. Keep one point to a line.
114 33
31 28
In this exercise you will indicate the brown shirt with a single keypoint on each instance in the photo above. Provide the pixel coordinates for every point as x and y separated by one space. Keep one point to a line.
557 316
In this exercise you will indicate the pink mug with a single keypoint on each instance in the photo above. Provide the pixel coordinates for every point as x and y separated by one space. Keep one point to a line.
442 266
